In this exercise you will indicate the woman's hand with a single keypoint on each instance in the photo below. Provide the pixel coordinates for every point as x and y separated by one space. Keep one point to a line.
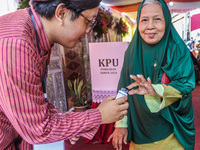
119 135
144 86
74 139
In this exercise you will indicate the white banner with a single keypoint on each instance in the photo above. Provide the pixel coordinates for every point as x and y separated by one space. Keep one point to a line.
106 60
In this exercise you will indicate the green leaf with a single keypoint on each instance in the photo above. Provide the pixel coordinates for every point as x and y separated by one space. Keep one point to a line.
72 91
24 4
78 91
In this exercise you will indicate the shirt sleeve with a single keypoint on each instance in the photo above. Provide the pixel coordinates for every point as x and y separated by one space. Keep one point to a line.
22 99
166 95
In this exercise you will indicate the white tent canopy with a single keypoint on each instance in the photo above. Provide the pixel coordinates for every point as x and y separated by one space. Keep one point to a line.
179 6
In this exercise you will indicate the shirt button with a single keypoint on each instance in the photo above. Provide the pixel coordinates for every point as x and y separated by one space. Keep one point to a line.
155 65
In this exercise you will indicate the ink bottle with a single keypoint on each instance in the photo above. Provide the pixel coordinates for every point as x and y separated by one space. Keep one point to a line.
122 92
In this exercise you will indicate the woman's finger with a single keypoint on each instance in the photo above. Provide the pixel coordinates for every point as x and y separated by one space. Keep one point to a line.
110 137
132 85
72 141
136 78
133 91
115 140
120 143
125 138
142 79
149 80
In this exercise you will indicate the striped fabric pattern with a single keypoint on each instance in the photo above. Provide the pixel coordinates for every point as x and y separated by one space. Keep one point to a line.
23 111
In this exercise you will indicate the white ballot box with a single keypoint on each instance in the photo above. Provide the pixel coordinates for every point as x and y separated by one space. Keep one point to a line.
106 61
51 146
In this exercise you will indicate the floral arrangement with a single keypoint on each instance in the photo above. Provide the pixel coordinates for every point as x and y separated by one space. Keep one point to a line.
121 27
104 22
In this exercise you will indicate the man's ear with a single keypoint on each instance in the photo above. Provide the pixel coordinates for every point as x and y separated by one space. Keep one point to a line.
61 12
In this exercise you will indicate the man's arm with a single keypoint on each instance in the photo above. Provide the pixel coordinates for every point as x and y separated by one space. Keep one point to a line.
22 101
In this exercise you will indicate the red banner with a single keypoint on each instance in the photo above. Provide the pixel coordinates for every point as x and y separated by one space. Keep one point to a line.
195 22
182 1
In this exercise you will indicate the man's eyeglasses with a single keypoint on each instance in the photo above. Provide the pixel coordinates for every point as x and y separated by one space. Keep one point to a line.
92 23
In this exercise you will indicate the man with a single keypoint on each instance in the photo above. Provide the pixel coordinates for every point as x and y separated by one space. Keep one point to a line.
26 37
190 45
197 45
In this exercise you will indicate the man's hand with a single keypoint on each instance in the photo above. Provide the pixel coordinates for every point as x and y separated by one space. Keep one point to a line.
113 110
119 135
144 85
74 139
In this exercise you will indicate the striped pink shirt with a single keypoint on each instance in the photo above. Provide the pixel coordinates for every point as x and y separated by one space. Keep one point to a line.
23 111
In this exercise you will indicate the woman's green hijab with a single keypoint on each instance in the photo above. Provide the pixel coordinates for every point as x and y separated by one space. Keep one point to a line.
169 55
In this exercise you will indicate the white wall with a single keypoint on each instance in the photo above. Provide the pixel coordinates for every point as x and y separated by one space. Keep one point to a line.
7 6
179 24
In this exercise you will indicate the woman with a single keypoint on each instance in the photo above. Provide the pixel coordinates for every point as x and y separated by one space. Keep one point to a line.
160 115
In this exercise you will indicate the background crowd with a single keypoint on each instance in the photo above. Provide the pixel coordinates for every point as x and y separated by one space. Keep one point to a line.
194 47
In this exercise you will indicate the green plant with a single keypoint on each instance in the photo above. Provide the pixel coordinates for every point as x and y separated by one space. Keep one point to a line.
78 92
23 4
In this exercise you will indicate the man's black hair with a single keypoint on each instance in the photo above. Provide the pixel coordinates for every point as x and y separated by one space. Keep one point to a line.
47 8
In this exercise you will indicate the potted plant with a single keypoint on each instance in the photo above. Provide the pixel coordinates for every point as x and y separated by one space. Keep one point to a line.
78 91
